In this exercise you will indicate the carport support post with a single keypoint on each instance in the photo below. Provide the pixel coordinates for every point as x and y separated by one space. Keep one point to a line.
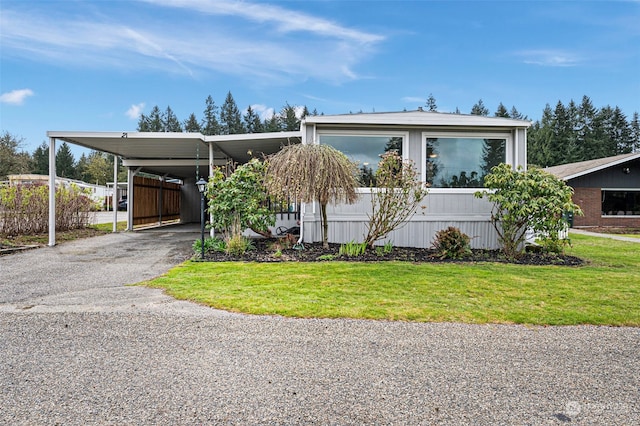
114 196
52 192
212 232
130 174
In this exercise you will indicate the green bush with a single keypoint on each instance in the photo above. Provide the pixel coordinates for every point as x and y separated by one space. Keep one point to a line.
451 243
527 199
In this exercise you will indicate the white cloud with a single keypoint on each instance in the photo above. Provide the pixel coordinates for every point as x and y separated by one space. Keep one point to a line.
236 38
550 57
16 97
135 110
263 111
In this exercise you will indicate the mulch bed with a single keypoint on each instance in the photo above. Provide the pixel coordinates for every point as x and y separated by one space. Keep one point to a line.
313 252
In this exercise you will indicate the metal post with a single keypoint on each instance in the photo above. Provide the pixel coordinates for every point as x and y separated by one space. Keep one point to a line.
202 226
52 192
114 194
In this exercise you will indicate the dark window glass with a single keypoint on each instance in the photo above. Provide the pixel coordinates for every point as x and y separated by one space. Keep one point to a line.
462 162
619 203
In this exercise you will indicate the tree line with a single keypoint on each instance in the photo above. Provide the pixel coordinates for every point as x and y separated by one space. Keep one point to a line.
224 120
564 134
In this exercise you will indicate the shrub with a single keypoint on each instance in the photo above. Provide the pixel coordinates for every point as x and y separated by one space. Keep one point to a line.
239 201
24 209
451 243
394 200
532 199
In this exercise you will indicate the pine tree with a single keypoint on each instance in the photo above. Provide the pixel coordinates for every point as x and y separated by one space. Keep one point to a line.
635 132
517 115
191 124
289 120
210 124
540 140
272 124
153 122
586 132
305 113
171 122
252 121
622 132
431 103
230 119
81 168
501 111
41 159
65 163
479 109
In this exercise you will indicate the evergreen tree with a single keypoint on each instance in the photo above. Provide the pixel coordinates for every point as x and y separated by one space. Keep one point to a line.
586 132
210 125
272 124
191 124
540 140
479 109
252 121
41 159
171 122
153 122
431 103
622 132
65 163
230 119
493 153
305 113
12 159
501 111
314 112
516 114
81 168
635 132
289 120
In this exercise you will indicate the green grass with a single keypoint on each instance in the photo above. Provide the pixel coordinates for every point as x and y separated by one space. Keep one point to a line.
108 227
606 291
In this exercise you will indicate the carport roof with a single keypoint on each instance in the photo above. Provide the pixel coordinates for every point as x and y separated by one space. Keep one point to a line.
139 145
171 153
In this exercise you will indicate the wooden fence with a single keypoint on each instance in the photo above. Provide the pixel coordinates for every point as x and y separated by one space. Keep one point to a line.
155 201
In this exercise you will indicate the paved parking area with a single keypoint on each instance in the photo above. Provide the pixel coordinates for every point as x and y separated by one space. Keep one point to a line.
78 346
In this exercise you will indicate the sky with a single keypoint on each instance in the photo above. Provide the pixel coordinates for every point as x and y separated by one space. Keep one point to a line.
96 65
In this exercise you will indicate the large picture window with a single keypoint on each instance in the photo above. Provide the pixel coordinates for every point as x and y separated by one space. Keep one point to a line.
620 203
365 150
461 162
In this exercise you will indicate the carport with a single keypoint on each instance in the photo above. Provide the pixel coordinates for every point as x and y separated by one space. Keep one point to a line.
171 156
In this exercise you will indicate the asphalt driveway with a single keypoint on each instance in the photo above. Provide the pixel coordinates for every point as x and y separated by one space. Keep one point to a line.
77 346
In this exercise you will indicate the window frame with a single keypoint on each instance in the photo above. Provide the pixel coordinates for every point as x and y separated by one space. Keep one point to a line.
506 135
617 216
373 133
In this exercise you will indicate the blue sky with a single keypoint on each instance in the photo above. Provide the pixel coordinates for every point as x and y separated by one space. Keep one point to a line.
94 65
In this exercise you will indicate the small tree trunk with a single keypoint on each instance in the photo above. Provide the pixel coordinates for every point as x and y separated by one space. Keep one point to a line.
325 226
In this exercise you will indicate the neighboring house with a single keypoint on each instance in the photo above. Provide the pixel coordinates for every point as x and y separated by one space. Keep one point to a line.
98 193
606 189
451 152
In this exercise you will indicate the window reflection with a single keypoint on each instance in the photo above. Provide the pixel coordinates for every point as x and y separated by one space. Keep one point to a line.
365 150
462 162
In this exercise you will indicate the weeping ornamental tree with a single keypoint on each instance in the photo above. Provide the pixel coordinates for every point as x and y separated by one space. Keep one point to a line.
310 172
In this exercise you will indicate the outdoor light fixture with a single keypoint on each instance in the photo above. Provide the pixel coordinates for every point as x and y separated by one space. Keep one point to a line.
202 184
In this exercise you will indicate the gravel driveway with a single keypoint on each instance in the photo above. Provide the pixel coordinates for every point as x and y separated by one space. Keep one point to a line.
78 347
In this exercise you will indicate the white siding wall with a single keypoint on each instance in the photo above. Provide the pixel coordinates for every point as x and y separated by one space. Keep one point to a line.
444 207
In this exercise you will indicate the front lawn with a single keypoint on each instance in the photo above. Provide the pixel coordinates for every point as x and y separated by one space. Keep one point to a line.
605 292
